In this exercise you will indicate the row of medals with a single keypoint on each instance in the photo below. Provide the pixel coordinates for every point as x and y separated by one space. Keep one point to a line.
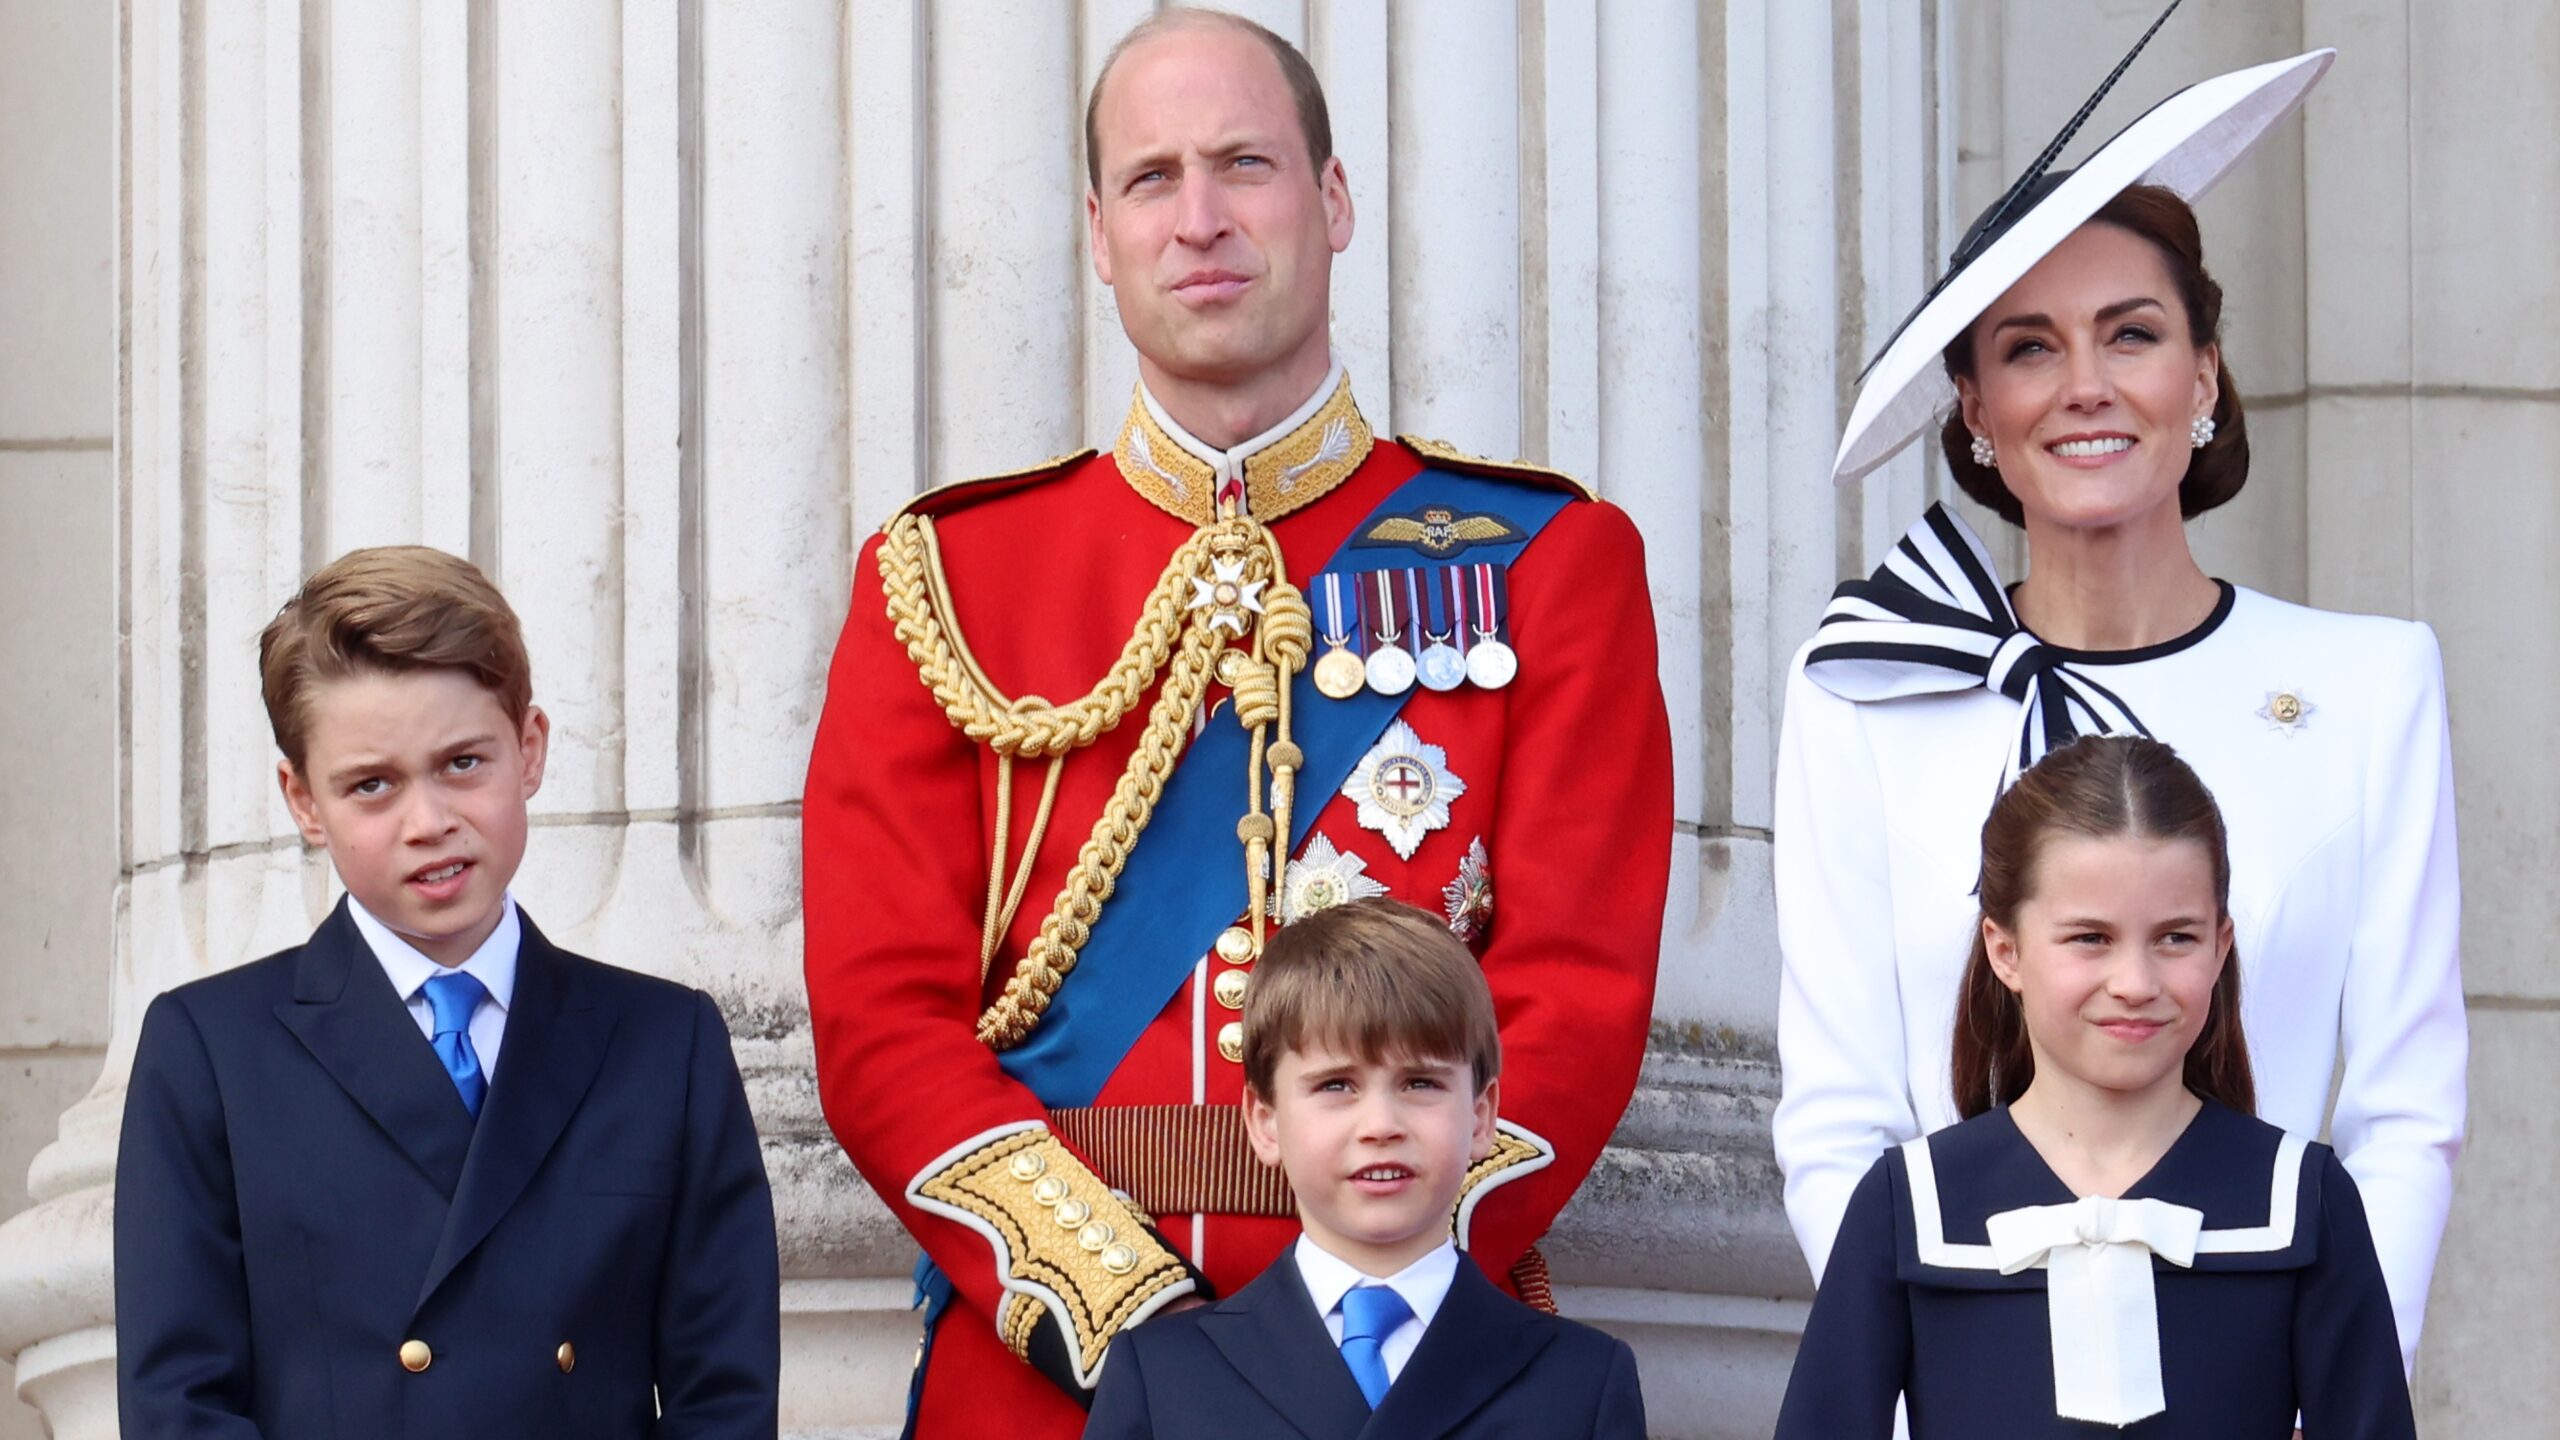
1341 673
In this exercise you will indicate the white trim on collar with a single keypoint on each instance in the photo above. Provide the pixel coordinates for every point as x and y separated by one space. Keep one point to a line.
1929 1230
1228 465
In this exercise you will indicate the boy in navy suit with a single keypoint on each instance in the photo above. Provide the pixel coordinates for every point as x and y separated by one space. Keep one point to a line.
426 1175
1370 1056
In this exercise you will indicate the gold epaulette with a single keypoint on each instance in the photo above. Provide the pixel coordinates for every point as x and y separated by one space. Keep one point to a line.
1067 1250
1443 455
942 499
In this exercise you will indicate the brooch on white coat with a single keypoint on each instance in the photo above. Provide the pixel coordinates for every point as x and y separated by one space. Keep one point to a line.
1403 788
2286 710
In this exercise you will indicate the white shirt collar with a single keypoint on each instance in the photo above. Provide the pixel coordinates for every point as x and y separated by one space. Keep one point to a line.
493 964
1228 465
1423 1284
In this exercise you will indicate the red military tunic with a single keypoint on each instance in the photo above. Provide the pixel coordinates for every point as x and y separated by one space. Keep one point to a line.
1566 812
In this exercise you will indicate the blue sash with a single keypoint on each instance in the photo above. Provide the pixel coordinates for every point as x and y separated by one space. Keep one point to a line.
1184 882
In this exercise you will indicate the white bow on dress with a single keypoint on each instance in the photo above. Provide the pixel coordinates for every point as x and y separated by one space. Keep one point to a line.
2099 1301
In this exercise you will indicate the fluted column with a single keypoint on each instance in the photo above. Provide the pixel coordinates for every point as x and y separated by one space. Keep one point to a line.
655 310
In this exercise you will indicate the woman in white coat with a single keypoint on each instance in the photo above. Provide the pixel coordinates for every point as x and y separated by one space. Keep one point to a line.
2079 332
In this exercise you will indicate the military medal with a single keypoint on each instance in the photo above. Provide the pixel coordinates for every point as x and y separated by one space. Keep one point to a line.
1441 666
1390 665
1469 898
1320 879
1490 663
1339 672
1403 787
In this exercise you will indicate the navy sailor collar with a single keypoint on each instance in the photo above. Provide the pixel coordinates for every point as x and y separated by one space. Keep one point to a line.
2257 1188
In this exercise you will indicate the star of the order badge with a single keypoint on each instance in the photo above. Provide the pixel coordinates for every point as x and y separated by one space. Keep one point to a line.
1321 878
1403 787
2286 710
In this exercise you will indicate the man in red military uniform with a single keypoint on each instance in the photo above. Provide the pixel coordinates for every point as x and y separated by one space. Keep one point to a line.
1308 664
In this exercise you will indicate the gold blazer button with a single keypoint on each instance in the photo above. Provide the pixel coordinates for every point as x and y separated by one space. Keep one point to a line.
568 1357
415 1356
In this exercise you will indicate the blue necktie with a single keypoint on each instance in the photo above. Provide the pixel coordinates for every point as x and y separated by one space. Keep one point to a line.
453 995
1370 1313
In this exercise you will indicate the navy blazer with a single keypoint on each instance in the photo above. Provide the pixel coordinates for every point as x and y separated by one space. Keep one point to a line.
300 1194
1259 1366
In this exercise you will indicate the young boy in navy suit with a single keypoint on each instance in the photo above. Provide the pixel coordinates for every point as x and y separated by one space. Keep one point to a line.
1370 1056
426 1175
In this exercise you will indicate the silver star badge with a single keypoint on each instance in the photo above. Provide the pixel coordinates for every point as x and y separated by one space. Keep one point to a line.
1227 594
1403 788
2286 710
1320 879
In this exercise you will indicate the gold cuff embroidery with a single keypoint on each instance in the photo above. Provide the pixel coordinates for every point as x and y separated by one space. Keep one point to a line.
1021 1315
1517 1151
1065 1244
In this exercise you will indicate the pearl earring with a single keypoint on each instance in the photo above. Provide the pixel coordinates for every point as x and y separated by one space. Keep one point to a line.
2201 432
1983 454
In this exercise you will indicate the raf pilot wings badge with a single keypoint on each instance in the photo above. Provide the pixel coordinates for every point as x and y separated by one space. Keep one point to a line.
1437 532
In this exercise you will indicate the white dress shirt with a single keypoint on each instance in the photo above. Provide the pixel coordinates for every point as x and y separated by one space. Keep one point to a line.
2343 894
1423 1284
493 965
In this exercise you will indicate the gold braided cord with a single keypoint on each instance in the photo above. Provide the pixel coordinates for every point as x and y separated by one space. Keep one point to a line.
1179 636
911 574
1052 953
1003 903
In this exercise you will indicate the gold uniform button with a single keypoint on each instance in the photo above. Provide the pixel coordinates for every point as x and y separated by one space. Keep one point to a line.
1071 1214
1119 1259
1028 1164
1231 1041
1095 1237
1230 987
1050 1190
1235 945
415 1356
568 1357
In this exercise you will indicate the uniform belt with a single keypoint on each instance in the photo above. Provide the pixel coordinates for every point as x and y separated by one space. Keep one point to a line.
1176 1159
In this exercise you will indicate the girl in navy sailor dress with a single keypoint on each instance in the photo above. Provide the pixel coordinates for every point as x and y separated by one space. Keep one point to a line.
2108 1241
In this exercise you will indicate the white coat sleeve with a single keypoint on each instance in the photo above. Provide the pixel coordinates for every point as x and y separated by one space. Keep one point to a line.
1844 1098
2398 1123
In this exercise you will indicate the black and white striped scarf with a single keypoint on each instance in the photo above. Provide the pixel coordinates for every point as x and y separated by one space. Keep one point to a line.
1933 620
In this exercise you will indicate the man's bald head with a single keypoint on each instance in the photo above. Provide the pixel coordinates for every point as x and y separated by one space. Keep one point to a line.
1314 121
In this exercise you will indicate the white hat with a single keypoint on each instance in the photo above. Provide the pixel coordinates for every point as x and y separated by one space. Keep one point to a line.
2185 144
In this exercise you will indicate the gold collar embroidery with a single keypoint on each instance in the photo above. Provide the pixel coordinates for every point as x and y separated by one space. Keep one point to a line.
1283 469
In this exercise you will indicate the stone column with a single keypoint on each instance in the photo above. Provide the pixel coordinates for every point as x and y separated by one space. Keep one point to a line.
654 310
2432 264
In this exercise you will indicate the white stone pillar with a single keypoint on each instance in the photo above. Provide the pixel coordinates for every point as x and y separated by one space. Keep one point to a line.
655 310
2433 270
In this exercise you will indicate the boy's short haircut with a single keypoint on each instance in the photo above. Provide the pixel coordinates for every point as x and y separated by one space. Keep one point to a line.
391 608
1377 979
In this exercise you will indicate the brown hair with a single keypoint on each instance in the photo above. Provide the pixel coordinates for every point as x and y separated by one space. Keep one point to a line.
2102 787
1314 120
1373 978
392 607
2216 472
